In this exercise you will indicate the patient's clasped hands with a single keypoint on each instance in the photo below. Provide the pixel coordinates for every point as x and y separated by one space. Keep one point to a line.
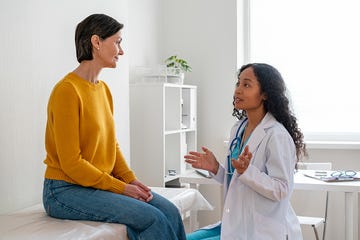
139 191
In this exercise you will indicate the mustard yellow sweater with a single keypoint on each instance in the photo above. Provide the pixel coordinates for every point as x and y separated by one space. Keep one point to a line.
80 137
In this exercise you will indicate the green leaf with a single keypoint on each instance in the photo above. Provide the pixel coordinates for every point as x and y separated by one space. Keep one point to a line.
174 61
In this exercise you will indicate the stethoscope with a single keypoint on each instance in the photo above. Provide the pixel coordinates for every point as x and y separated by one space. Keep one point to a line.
235 144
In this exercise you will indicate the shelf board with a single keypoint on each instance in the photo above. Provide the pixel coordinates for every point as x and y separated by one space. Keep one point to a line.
190 176
169 178
168 132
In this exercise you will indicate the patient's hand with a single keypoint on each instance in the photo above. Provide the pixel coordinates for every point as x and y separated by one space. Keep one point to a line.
138 191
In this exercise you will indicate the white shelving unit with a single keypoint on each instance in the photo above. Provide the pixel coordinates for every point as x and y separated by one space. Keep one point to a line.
163 130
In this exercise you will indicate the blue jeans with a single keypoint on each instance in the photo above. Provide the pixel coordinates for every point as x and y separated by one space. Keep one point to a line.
157 219
205 234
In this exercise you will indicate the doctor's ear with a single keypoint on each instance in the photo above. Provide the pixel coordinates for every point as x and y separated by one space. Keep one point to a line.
264 96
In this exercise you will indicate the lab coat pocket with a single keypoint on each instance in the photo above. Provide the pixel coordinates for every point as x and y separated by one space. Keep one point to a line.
267 227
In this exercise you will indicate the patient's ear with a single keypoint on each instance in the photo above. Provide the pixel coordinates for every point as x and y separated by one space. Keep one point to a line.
95 41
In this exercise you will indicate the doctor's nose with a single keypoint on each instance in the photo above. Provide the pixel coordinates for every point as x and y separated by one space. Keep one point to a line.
238 90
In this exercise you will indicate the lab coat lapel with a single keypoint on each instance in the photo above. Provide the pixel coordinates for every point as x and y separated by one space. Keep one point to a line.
260 132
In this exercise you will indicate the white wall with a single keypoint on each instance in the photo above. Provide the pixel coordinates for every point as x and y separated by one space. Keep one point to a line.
37 49
146 33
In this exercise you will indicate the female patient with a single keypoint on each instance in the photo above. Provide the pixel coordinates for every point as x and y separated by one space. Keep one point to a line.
87 177
265 145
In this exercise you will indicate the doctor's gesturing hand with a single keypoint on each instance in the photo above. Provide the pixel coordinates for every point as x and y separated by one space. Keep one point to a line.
205 160
243 161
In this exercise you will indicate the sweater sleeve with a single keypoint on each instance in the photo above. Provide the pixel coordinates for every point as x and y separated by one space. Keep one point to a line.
65 123
121 169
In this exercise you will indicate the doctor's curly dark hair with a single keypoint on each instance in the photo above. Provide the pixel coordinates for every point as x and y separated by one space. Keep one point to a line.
277 103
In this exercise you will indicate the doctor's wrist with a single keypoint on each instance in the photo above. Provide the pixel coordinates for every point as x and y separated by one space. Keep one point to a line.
216 168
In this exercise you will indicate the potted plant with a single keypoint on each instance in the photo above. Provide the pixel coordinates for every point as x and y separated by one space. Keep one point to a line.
177 66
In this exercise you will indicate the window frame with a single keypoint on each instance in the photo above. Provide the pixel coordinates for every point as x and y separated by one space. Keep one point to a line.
322 140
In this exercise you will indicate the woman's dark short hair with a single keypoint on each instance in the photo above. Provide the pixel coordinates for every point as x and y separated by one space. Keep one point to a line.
95 24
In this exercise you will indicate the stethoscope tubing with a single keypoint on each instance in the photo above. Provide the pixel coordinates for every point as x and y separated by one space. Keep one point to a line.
232 142
237 134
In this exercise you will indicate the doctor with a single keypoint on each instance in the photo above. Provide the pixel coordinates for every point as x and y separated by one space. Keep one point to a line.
258 175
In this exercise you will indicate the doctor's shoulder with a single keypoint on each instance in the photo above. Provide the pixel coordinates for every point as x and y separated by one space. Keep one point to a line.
278 133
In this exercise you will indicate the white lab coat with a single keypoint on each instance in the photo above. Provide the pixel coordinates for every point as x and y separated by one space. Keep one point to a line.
257 202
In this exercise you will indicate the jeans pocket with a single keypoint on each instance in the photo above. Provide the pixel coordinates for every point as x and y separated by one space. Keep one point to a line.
51 189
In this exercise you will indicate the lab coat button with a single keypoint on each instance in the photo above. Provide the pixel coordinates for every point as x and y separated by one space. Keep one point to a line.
227 210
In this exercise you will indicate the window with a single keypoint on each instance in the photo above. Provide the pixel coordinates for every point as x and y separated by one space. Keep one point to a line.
316 47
